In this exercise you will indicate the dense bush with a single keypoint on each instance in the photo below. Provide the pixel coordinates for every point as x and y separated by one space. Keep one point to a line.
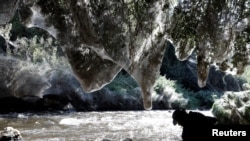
19 30
246 75
233 108
122 82
175 95
167 94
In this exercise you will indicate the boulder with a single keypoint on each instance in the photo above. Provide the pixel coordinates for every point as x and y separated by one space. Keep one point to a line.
19 78
10 134
33 103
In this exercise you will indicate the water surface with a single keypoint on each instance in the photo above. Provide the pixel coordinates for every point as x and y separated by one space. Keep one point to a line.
95 126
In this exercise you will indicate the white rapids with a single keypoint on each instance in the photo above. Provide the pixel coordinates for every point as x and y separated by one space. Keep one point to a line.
96 126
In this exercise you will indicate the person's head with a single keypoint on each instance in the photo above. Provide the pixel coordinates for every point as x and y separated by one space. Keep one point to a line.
179 116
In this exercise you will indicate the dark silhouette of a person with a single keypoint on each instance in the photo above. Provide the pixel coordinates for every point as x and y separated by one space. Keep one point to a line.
195 125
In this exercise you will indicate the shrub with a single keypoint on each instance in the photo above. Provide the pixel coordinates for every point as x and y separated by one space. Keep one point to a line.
246 75
174 95
122 82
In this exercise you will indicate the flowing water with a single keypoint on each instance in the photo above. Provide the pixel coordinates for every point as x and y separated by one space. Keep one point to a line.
95 126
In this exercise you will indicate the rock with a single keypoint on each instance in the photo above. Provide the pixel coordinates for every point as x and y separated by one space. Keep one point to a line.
67 88
233 108
12 104
54 102
33 103
10 134
105 99
19 79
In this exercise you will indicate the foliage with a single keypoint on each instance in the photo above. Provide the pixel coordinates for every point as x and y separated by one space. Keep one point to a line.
122 92
161 83
202 99
187 29
19 30
232 108
122 82
166 94
246 74
40 50
34 45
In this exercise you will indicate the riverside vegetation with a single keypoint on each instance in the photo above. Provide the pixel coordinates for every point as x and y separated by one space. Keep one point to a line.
35 51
